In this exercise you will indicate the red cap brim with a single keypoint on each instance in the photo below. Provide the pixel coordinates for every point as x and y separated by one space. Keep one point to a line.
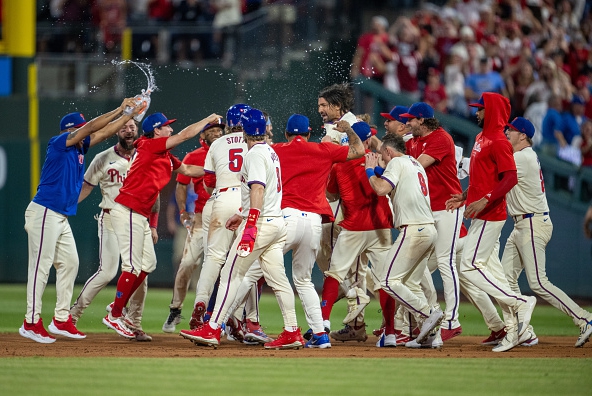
476 105
512 126
168 122
407 115
387 116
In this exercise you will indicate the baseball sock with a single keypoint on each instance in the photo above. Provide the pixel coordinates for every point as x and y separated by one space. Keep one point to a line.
137 284
330 292
124 291
387 304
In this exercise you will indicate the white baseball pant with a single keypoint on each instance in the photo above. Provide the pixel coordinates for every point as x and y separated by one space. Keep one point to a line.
108 266
268 248
51 243
525 249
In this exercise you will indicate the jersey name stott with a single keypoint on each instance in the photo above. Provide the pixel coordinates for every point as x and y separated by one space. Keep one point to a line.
234 139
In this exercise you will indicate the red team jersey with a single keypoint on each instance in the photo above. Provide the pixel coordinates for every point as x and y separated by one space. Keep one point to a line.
363 210
492 154
305 168
198 158
151 169
442 174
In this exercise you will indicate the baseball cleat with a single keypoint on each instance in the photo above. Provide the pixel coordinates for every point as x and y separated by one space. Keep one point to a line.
434 341
36 332
387 340
234 329
349 333
140 336
287 340
197 316
495 337
524 314
319 341
585 333
172 321
378 332
429 324
254 335
118 325
204 335
511 340
109 307
354 309
448 334
66 329
308 335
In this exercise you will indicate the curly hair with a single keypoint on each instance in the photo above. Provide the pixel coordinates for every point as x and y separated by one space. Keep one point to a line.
394 141
341 95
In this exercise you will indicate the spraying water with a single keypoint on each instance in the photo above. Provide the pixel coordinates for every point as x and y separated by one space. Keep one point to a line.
144 97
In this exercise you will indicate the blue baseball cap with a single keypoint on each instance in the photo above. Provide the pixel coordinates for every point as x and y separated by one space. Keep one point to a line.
298 125
253 122
72 120
395 114
480 103
521 124
577 99
363 130
214 125
419 110
156 120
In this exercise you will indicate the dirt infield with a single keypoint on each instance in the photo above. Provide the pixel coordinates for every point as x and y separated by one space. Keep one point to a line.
173 346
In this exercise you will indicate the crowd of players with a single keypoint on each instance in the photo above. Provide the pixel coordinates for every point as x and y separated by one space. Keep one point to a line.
334 203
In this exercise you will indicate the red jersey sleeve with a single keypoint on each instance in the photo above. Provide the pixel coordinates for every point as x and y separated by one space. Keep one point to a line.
438 148
335 152
332 182
210 179
503 156
175 161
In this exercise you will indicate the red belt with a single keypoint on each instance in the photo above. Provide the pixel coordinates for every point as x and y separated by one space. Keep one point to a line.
106 211
226 189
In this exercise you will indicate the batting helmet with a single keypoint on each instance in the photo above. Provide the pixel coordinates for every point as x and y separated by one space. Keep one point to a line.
253 122
234 113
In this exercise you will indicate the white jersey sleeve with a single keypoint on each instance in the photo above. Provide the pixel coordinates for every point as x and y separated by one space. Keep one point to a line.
410 195
225 158
108 170
337 137
528 196
262 166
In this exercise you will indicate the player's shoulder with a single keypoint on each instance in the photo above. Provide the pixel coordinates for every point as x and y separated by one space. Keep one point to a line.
107 154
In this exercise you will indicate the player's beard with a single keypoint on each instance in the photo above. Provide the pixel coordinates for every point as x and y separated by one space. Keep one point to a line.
125 145
480 122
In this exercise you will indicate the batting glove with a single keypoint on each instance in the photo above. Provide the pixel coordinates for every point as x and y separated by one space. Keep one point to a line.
245 246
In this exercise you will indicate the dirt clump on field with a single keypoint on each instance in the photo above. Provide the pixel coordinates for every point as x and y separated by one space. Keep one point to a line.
174 346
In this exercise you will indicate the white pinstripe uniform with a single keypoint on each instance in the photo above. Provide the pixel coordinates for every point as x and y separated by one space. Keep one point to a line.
108 170
261 166
225 159
406 262
525 247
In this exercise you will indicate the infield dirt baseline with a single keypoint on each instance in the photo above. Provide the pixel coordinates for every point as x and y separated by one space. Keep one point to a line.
173 346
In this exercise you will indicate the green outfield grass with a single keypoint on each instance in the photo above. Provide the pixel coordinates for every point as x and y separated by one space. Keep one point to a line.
287 376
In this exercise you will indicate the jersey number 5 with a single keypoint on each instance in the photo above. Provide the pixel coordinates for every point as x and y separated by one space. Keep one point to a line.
235 159
422 183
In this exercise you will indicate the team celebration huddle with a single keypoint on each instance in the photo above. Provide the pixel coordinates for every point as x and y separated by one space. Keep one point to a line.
378 217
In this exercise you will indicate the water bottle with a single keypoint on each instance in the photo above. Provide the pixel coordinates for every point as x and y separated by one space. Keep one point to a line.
142 100
188 224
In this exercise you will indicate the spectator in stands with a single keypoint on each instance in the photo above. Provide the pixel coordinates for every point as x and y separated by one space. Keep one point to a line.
552 126
586 145
73 15
520 77
454 83
572 123
535 112
112 15
370 49
434 93
227 19
483 80
548 84
191 47
160 10
473 51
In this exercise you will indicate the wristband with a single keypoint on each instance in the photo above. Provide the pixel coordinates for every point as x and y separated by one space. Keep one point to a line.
182 211
378 171
253 217
153 220
370 172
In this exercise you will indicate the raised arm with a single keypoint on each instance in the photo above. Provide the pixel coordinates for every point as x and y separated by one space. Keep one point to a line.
356 148
99 122
85 191
191 131
379 185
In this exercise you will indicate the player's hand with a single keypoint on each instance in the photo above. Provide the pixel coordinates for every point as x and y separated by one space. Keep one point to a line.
371 160
245 246
127 102
342 126
184 216
455 202
213 118
474 208
154 235
234 222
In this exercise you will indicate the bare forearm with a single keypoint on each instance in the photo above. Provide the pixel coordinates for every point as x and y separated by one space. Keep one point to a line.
85 191
256 196
181 196
356 148
109 130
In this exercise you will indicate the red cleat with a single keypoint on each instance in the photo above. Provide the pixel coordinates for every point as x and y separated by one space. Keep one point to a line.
287 340
448 334
197 316
203 335
494 338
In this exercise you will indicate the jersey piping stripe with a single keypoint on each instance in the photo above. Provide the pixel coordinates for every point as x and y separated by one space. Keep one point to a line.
37 265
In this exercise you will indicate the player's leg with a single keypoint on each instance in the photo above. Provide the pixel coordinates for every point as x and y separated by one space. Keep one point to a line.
108 266
532 239
136 309
448 227
329 234
43 230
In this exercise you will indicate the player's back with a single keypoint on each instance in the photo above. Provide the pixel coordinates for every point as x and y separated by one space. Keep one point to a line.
262 166
528 196
225 158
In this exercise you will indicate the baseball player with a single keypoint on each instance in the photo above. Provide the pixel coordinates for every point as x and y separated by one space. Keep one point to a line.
525 247
405 180
108 170
222 166
50 238
194 243
150 171
263 235
492 175
434 149
366 228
